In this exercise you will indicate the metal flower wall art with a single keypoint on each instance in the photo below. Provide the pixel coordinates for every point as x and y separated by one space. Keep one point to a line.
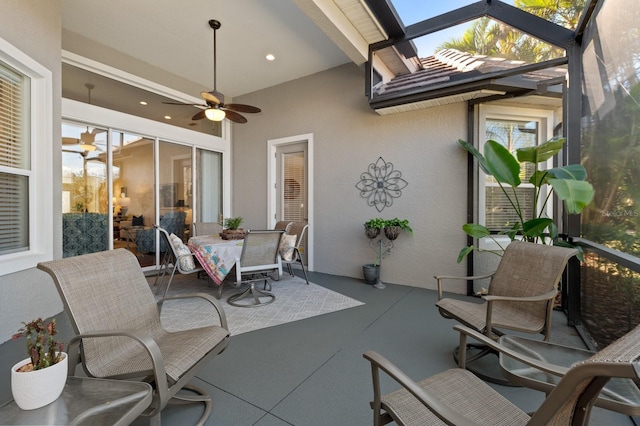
380 184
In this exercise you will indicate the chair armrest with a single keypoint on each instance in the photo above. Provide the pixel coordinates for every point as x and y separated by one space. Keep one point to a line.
216 304
532 362
538 298
149 345
441 278
378 362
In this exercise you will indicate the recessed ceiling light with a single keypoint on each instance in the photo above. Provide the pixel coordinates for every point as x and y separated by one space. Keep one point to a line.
143 103
167 117
270 57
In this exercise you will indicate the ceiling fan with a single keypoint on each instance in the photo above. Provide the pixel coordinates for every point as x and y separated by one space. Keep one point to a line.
87 140
214 108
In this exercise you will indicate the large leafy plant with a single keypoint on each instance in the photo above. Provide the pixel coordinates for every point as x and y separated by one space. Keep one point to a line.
568 183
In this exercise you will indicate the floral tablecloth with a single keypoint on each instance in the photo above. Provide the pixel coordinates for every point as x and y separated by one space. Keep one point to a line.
217 256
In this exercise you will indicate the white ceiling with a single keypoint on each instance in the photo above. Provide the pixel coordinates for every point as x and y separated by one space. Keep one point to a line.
175 36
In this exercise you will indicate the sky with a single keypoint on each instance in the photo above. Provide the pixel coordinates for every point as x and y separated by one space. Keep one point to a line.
412 11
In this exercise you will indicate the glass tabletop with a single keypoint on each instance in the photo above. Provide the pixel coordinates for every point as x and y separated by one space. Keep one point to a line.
86 401
621 395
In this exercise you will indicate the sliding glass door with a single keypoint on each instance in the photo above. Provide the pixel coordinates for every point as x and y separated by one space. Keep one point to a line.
85 201
149 181
209 184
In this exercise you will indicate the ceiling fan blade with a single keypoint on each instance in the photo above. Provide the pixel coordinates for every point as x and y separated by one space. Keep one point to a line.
199 115
242 108
70 141
213 96
235 117
177 103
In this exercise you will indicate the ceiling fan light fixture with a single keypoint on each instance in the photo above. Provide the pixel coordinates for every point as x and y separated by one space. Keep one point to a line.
214 114
87 147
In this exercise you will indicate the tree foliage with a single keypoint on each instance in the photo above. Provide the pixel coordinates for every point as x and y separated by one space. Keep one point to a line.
488 37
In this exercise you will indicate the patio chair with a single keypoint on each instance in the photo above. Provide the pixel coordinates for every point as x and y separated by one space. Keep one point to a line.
206 228
298 229
258 260
457 397
283 225
177 257
118 333
520 295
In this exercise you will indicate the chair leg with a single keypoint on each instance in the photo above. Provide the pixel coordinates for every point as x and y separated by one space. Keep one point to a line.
303 270
219 292
487 370
166 290
163 265
201 396
251 292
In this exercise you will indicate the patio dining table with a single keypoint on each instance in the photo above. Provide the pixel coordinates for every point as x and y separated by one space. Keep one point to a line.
217 256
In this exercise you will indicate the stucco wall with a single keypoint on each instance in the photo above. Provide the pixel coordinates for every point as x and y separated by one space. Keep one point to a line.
348 136
33 26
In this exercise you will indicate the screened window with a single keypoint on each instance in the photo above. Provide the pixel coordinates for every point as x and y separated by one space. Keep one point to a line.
14 161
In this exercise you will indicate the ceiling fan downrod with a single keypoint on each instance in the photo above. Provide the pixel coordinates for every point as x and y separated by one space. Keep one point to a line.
215 24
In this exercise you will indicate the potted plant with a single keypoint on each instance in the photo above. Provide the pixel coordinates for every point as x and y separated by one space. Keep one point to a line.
232 230
568 183
39 379
392 227
371 271
372 227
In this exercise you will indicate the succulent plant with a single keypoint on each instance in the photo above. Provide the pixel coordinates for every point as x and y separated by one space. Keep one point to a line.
42 348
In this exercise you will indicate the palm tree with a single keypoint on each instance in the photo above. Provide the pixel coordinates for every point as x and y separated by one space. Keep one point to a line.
488 37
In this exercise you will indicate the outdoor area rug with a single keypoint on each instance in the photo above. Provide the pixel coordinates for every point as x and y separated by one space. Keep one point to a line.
295 300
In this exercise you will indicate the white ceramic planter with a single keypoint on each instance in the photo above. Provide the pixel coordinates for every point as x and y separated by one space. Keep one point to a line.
35 389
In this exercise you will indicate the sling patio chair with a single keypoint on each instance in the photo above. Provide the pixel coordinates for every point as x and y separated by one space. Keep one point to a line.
206 228
458 397
298 229
283 225
520 297
258 260
177 257
118 333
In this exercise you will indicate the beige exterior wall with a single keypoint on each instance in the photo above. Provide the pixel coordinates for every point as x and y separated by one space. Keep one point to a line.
33 26
348 136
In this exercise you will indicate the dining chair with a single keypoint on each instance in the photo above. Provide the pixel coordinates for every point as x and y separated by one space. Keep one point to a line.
283 225
206 228
118 333
299 229
259 259
176 258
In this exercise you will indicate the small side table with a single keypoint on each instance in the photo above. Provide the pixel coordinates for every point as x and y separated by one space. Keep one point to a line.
86 401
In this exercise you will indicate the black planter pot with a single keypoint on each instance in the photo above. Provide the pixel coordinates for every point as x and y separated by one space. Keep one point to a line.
371 273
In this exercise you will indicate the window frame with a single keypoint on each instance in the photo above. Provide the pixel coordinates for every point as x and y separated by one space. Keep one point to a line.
545 119
40 114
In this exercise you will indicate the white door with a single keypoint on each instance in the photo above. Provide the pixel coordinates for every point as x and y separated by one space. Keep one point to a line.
291 183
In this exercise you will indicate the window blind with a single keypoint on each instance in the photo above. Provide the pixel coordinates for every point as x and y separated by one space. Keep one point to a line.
14 161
